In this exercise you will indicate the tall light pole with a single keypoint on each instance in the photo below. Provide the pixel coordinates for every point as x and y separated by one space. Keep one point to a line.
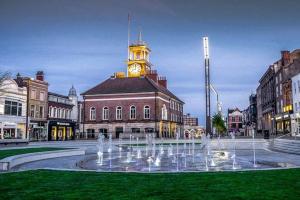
207 85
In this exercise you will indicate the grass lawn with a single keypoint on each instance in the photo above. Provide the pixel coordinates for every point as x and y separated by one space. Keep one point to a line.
45 184
13 152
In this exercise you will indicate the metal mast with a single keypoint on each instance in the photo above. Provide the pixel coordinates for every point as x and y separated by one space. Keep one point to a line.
207 85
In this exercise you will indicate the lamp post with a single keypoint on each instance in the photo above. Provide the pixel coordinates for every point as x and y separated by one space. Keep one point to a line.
207 85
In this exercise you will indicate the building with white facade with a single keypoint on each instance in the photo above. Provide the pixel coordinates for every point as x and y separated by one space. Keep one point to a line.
13 103
296 104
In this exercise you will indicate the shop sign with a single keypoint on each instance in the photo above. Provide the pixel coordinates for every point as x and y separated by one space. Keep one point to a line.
63 124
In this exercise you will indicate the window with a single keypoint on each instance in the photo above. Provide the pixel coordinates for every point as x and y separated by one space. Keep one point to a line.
55 113
42 96
63 113
146 112
119 113
13 108
296 107
276 80
164 113
105 113
298 86
281 103
295 88
41 111
32 111
33 94
92 113
132 112
277 93
58 113
67 114
280 89
50 112
149 130
280 77
135 130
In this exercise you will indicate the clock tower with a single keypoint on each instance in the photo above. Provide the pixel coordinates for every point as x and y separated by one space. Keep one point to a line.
138 62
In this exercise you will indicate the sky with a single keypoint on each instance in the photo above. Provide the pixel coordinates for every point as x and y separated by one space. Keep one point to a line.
83 42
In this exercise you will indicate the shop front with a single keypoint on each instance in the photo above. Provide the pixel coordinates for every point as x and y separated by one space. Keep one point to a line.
38 131
283 124
295 121
61 130
12 128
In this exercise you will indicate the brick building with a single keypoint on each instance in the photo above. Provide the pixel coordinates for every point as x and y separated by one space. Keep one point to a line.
37 105
285 68
60 124
189 120
235 120
135 104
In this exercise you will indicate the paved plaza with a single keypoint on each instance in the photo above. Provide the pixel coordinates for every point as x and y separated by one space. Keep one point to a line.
244 152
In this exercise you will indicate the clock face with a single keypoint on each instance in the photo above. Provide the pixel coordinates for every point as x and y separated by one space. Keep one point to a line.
135 68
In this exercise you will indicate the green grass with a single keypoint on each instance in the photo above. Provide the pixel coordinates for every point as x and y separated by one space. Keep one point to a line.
13 152
252 185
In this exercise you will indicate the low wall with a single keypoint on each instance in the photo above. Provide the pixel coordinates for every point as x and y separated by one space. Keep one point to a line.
13 142
12 161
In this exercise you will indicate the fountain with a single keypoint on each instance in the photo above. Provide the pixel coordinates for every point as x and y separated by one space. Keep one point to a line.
253 146
100 150
120 147
233 157
150 161
166 159
170 150
138 150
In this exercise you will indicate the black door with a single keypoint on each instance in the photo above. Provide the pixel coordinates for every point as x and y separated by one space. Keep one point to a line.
118 131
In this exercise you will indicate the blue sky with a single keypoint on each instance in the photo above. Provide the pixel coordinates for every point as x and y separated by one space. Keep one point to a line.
84 42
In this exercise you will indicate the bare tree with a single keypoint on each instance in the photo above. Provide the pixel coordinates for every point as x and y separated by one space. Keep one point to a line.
3 76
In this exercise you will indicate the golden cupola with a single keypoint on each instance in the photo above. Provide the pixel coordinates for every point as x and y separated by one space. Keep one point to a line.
138 61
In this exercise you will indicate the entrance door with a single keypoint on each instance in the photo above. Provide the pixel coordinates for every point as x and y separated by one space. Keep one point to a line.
118 131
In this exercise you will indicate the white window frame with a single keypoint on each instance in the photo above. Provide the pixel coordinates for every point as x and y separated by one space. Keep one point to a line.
93 113
132 112
105 114
148 108
164 112
42 96
119 115
33 94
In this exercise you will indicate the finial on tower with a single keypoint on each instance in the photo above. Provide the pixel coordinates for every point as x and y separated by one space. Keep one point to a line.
140 36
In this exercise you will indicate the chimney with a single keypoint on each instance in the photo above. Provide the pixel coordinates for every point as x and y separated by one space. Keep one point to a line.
40 76
285 57
152 74
162 80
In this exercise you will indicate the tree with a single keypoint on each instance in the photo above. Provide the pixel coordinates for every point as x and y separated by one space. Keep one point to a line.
219 124
3 76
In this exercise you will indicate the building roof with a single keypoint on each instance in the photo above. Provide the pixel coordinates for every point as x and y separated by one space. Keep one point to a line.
129 85
58 95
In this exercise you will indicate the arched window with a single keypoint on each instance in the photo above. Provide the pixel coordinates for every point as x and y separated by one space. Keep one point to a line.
164 113
146 112
92 113
132 112
119 113
105 113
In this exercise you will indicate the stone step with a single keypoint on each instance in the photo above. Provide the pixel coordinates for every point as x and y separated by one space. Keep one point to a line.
286 150
287 146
